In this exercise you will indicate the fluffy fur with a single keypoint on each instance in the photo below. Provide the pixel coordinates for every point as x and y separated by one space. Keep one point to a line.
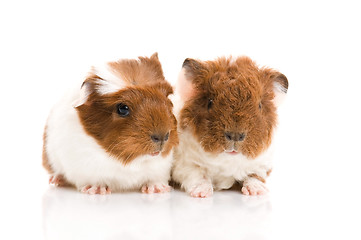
89 145
226 122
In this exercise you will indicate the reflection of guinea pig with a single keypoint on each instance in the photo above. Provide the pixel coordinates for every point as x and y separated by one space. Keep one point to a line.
67 215
226 122
116 133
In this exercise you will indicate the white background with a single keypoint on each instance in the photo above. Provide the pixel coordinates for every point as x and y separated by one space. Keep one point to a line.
315 187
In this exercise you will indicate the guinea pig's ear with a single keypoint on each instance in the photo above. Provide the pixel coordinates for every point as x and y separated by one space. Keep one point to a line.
280 87
194 70
85 90
189 77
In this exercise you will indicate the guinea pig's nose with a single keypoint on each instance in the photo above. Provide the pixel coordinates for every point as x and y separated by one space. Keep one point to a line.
160 138
234 136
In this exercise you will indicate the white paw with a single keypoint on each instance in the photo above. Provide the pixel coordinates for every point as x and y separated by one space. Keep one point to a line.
202 190
95 190
156 188
253 186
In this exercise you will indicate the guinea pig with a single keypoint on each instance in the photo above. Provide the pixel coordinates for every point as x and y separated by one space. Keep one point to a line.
115 132
227 117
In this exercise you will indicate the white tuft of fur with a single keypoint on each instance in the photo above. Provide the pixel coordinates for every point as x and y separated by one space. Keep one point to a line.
109 82
112 81
83 162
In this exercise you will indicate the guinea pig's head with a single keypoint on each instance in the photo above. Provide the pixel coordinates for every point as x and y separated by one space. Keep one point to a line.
230 104
124 105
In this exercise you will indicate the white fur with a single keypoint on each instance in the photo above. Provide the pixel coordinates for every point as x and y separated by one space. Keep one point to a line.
192 165
113 82
77 156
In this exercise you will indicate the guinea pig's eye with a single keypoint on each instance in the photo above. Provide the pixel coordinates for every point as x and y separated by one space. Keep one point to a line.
260 105
123 110
210 103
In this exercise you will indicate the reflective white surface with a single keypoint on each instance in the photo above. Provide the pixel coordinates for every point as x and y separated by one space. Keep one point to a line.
310 208
71 215
293 213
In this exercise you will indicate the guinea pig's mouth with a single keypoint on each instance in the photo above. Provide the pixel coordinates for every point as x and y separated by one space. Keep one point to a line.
232 152
153 154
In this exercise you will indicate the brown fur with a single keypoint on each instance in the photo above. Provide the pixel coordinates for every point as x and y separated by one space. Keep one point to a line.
126 138
242 97
143 72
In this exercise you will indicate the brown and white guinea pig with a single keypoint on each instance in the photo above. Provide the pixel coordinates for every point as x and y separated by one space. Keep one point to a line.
116 131
227 117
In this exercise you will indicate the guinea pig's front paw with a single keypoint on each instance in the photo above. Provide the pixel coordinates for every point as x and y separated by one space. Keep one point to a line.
89 189
202 190
253 186
156 188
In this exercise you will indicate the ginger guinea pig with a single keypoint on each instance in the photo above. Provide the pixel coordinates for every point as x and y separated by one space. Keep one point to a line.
227 117
116 131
